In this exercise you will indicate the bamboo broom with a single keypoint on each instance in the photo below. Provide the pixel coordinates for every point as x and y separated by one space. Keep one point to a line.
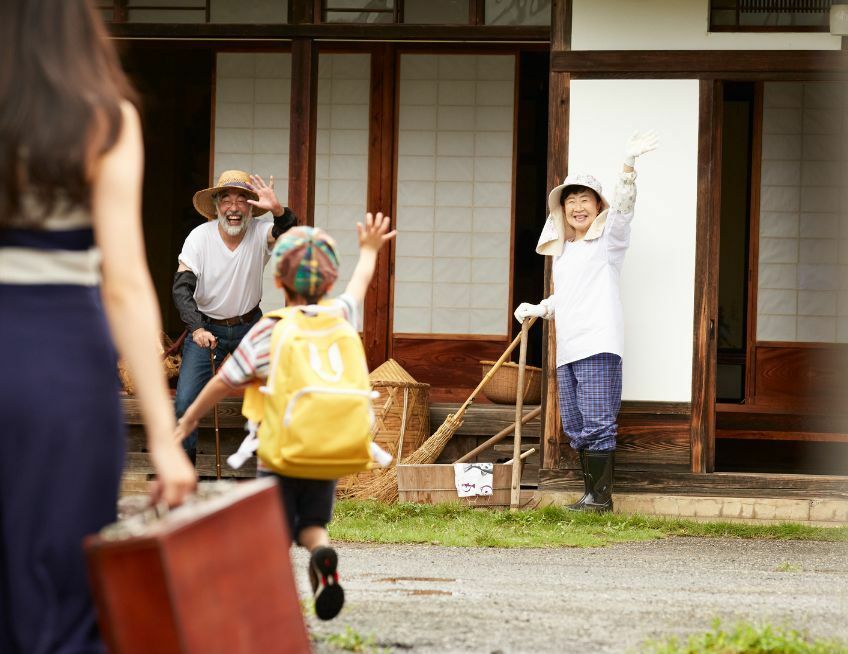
383 487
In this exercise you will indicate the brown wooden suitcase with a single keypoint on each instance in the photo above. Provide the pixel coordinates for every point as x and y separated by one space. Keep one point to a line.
212 576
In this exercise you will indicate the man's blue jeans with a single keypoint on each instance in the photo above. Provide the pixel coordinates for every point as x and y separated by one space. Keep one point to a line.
196 368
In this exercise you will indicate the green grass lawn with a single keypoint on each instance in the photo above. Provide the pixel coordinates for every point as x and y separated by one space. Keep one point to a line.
462 526
747 638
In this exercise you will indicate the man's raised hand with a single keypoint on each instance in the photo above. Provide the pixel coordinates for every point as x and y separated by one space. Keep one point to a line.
267 197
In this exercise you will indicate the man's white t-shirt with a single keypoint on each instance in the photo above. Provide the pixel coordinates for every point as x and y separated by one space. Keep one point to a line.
229 282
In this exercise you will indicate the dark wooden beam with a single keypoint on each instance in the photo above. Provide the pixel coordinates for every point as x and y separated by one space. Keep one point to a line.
302 12
377 334
696 63
332 31
477 12
304 105
705 321
558 103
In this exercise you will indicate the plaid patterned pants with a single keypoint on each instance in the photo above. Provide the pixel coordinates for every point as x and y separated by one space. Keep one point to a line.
589 400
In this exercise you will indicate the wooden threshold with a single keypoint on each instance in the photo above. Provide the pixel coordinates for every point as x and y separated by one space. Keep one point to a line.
722 484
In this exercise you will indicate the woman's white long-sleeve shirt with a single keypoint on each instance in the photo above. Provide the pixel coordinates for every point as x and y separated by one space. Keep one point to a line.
586 276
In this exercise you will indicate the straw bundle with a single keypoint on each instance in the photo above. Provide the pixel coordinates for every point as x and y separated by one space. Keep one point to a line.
384 488
401 419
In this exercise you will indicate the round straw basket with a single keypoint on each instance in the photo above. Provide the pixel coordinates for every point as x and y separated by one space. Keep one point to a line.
401 417
171 363
502 388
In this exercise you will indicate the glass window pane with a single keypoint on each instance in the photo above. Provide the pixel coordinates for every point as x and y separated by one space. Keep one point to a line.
454 194
784 19
518 12
723 17
166 15
444 12
365 5
359 17
256 11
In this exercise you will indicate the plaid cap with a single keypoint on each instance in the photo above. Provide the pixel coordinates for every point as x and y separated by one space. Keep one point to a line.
305 260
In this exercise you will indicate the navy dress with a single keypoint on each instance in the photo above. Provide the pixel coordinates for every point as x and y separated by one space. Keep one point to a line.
61 433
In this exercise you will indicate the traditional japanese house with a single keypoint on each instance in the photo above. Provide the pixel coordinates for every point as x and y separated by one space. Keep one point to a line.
456 116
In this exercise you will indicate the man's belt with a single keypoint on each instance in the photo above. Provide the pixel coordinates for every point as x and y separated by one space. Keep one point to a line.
250 316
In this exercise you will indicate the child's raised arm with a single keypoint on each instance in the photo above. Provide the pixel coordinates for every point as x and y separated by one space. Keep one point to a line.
372 235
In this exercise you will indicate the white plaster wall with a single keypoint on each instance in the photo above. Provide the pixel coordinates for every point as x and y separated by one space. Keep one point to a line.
658 274
673 25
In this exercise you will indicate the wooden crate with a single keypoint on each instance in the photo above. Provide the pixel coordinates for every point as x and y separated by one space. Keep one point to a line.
433 483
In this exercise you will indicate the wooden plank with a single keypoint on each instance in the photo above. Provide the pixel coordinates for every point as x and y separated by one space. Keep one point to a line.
706 282
807 436
763 419
483 419
488 419
262 34
715 484
801 378
229 413
657 448
696 63
302 134
138 463
558 114
446 363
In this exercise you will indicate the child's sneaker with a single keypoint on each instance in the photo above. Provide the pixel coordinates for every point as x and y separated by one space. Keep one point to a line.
329 595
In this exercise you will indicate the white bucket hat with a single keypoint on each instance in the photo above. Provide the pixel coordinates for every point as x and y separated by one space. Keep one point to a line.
556 230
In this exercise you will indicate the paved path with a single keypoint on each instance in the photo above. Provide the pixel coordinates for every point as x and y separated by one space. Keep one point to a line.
429 599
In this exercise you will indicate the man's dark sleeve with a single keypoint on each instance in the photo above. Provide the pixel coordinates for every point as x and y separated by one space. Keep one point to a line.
283 223
185 281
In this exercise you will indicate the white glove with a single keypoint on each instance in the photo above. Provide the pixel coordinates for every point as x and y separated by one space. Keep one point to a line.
638 144
527 310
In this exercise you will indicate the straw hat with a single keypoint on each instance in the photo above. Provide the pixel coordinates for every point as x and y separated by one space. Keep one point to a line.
237 179
557 230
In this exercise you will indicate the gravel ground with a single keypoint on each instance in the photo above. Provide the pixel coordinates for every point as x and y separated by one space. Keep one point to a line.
429 599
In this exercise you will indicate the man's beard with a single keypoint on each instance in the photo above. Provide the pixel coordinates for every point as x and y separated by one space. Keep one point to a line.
233 230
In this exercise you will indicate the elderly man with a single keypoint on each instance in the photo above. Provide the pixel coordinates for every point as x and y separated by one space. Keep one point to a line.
218 284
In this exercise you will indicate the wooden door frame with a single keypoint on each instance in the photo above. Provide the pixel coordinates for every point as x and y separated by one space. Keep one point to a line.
708 207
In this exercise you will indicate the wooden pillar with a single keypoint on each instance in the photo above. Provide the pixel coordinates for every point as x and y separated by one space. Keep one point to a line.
377 324
304 104
302 12
558 95
702 426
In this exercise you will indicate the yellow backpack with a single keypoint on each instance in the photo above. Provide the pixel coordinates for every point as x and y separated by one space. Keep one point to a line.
316 416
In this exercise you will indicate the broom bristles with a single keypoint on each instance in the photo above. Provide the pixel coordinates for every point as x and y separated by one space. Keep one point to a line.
384 486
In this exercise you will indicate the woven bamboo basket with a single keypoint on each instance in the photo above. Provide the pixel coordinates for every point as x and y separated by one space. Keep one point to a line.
401 418
170 362
503 386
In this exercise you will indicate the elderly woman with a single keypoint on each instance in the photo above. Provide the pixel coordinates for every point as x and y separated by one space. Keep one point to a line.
588 238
